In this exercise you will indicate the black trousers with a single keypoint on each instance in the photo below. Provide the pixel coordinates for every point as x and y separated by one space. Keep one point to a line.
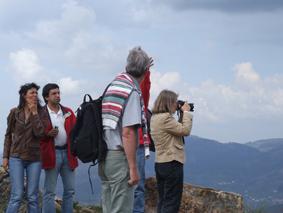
169 177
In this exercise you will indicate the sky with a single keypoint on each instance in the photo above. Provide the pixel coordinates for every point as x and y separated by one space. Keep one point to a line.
223 55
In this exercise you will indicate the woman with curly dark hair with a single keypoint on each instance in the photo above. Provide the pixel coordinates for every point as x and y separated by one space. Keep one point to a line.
21 153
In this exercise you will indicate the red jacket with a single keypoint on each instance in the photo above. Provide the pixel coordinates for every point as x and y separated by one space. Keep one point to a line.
47 147
145 89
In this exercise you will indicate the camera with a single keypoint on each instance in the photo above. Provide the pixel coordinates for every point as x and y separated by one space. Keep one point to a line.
180 103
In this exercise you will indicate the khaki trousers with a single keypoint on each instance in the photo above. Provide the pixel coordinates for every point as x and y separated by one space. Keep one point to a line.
117 196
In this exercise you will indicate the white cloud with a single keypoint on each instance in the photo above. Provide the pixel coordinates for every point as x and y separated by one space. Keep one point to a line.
250 97
25 65
88 51
74 38
160 81
277 97
264 97
81 44
58 32
68 86
246 73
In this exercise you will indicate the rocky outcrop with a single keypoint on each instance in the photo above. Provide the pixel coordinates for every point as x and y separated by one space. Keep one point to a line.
5 194
197 199
4 189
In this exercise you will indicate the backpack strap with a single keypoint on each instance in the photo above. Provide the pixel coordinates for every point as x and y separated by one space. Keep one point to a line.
89 177
89 97
93 162
103 94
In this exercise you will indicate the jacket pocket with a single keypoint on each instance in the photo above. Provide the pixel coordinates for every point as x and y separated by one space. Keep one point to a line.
179 146
15 143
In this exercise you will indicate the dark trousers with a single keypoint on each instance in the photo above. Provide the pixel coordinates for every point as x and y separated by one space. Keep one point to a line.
169 177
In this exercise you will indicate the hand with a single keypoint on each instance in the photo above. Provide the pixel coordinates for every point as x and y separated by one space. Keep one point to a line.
186 107
53 133
134 177
32 105
150 64
33 108
5 164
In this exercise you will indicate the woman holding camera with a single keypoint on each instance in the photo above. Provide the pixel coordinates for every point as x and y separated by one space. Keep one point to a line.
21 149
168 133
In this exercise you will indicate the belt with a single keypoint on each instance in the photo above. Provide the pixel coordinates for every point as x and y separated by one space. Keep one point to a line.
117 148
61 147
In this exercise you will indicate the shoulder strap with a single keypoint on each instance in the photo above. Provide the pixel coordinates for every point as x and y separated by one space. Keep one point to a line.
89 98
103 94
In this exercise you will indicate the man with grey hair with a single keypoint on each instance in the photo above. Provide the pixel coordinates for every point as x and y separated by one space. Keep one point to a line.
122 114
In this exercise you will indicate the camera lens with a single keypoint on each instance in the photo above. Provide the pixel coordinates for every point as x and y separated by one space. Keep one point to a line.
180 103
192 106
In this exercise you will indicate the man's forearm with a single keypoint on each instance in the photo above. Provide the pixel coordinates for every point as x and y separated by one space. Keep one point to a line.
130 145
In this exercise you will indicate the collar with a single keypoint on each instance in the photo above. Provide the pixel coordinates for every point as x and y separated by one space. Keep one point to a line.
134 80
60 112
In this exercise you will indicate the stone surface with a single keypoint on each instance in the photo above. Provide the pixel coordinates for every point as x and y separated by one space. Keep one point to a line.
197 199
5 191
5 194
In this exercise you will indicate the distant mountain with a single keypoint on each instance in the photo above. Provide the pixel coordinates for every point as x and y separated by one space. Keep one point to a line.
267 144
253 170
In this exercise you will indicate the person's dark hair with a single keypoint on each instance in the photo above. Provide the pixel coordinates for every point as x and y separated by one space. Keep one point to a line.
47 88
164 102
137 62
23 91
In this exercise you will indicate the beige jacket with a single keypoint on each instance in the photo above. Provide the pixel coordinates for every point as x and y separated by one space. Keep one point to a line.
167 134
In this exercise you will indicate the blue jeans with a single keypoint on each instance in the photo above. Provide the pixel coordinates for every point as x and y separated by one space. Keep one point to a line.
50 182
139 191
17 169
